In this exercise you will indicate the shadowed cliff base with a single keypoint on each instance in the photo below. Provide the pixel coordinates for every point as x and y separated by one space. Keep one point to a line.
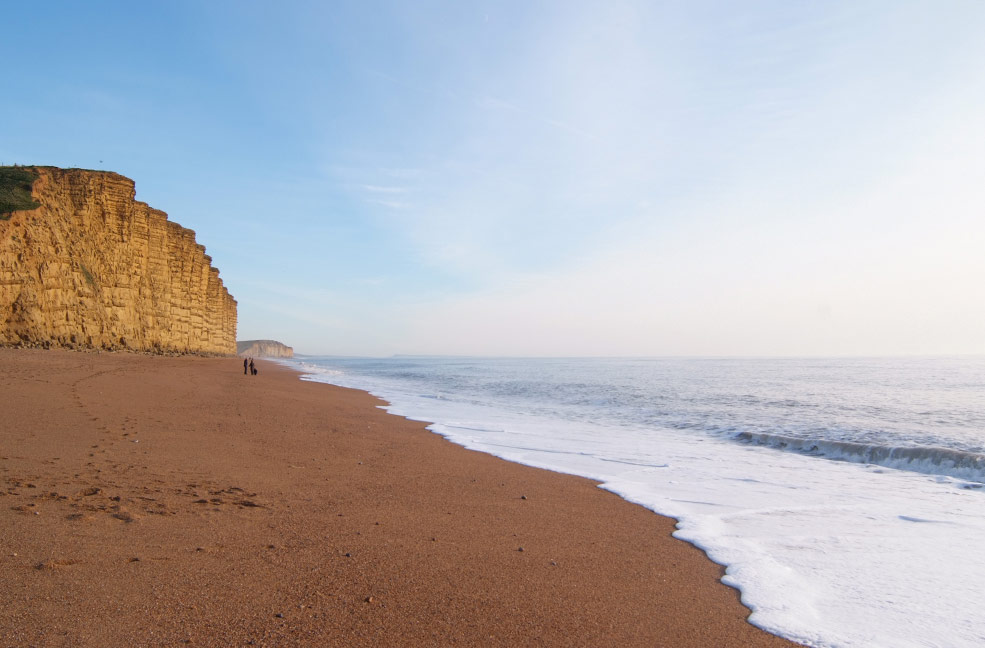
84 265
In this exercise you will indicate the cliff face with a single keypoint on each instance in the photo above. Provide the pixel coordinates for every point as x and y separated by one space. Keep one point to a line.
263 349
92 267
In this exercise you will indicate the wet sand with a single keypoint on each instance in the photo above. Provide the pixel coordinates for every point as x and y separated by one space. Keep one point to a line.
157 501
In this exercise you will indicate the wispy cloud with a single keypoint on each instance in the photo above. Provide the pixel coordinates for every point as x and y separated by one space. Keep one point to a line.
391 204
376 189
494 103
407 173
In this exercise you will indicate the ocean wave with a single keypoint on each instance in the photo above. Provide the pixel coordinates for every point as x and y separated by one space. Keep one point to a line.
313 370
923 459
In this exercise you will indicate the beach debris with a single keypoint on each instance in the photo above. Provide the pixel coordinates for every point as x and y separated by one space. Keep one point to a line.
523 497
92 490
348 555
279 615
520 549
371 599
55 563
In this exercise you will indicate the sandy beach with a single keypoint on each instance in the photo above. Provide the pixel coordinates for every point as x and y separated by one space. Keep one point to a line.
168 501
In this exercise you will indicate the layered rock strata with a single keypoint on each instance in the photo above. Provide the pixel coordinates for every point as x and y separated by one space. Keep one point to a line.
263 349
92 267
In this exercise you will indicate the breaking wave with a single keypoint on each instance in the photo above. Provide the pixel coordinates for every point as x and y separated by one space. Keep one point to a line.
928 460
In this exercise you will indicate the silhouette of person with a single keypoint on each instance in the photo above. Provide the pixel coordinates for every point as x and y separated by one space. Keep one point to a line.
253 370
244 366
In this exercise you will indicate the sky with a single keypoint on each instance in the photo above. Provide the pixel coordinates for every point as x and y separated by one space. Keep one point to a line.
540 178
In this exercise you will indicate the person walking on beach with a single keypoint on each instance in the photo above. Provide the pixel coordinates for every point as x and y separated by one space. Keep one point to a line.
252 368
244 366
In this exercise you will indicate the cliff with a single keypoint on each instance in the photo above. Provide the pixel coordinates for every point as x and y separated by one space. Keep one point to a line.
263 349
91 267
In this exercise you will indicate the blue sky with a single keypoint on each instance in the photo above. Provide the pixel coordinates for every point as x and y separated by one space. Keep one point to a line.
541 178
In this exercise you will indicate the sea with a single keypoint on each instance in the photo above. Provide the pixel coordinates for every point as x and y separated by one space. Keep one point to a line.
845 497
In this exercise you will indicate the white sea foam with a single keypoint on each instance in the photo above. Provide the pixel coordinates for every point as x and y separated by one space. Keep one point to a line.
828 553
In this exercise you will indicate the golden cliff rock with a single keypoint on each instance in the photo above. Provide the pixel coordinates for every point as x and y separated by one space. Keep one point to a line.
82 264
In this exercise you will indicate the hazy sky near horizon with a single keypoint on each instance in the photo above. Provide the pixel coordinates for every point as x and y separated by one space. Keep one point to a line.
541 178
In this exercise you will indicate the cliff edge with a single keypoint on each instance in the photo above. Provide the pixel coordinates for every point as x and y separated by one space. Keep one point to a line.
263 349
83 264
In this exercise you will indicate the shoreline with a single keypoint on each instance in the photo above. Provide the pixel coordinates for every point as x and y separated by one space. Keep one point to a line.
163 501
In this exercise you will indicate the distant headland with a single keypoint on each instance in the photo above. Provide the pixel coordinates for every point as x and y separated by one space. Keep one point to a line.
84 265
263 349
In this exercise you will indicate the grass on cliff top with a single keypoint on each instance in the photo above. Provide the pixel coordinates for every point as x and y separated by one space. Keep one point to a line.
15 190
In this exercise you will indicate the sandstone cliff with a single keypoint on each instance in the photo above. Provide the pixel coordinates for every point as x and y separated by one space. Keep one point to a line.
92 267
263 349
